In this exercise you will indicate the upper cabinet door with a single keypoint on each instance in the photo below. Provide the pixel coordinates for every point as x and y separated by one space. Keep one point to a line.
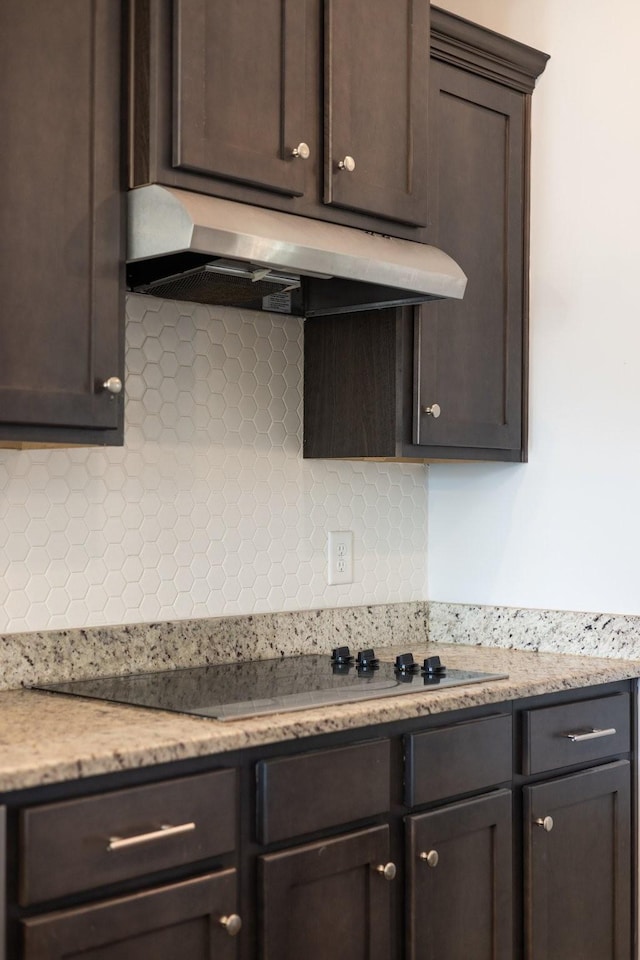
376 84
62 314
470 352
239 91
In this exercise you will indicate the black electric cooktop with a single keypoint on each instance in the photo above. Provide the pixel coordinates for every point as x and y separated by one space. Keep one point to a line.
230 691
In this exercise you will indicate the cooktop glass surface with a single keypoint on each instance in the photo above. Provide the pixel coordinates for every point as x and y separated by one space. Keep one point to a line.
230 691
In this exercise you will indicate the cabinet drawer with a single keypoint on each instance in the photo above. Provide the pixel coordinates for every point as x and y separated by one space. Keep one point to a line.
580 732
458 759
82 844
322 789
184 919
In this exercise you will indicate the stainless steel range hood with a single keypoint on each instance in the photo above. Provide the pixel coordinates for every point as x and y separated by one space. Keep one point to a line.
188 246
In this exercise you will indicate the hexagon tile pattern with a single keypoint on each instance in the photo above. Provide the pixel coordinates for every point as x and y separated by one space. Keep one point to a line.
209 509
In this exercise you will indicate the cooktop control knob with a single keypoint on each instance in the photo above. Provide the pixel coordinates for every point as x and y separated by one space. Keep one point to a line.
433 667
405 663
367 660
341 655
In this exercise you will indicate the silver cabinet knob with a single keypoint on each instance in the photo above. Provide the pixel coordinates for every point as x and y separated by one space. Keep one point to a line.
546 823
302 151
432 411
387 870
113 385
347 164
232 924
431 858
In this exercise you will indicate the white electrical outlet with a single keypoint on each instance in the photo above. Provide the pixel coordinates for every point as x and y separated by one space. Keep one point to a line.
340 556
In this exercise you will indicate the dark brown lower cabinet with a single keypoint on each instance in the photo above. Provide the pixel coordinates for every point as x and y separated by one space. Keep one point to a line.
460 902
578 866
3 890
509 826
184 921
328 900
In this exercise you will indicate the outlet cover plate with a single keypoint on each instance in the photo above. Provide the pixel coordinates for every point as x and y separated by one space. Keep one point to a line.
340 557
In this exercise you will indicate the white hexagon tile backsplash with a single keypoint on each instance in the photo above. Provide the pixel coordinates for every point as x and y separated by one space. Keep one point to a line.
209 509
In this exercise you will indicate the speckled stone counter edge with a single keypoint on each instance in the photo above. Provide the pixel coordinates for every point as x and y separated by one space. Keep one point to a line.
553 631
53 656
87 738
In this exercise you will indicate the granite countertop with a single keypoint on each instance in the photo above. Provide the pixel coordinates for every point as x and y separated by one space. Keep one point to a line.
48 738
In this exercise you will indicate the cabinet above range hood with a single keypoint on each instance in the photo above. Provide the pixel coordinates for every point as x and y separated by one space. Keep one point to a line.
187 246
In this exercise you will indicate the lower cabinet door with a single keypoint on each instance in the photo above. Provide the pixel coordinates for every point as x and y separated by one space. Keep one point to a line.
459 876
328 900
578 866
192 920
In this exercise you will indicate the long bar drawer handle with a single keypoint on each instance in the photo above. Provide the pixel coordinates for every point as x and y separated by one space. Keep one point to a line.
590 735
121 843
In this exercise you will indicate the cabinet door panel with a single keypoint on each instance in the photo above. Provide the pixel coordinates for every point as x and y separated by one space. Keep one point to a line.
62 304
461 906
239 82
470 352
578 875
169 923
327 900
376 83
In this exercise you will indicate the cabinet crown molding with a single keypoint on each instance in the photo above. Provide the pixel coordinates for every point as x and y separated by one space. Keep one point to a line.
465 44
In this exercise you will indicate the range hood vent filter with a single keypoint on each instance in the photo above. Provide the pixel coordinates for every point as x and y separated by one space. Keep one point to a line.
228 283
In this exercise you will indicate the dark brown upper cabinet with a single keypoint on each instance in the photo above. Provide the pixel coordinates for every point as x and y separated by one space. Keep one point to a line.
447 381
376 85
61 250
238 89
314 107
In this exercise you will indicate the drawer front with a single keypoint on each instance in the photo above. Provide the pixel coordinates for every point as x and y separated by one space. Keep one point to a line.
462 758
302 794
570 733
81 844
184 919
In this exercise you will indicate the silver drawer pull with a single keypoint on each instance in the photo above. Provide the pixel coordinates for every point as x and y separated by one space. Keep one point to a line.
121 843
590 735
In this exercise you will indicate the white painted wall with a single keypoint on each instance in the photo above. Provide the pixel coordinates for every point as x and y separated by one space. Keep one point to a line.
563 531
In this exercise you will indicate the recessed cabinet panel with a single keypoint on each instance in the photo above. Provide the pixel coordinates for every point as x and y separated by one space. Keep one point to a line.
328 900
376 83
460 882
239 91
469 353
60 206
577 869
182 920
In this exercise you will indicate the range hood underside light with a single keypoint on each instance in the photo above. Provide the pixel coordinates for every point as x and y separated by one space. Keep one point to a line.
191 247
